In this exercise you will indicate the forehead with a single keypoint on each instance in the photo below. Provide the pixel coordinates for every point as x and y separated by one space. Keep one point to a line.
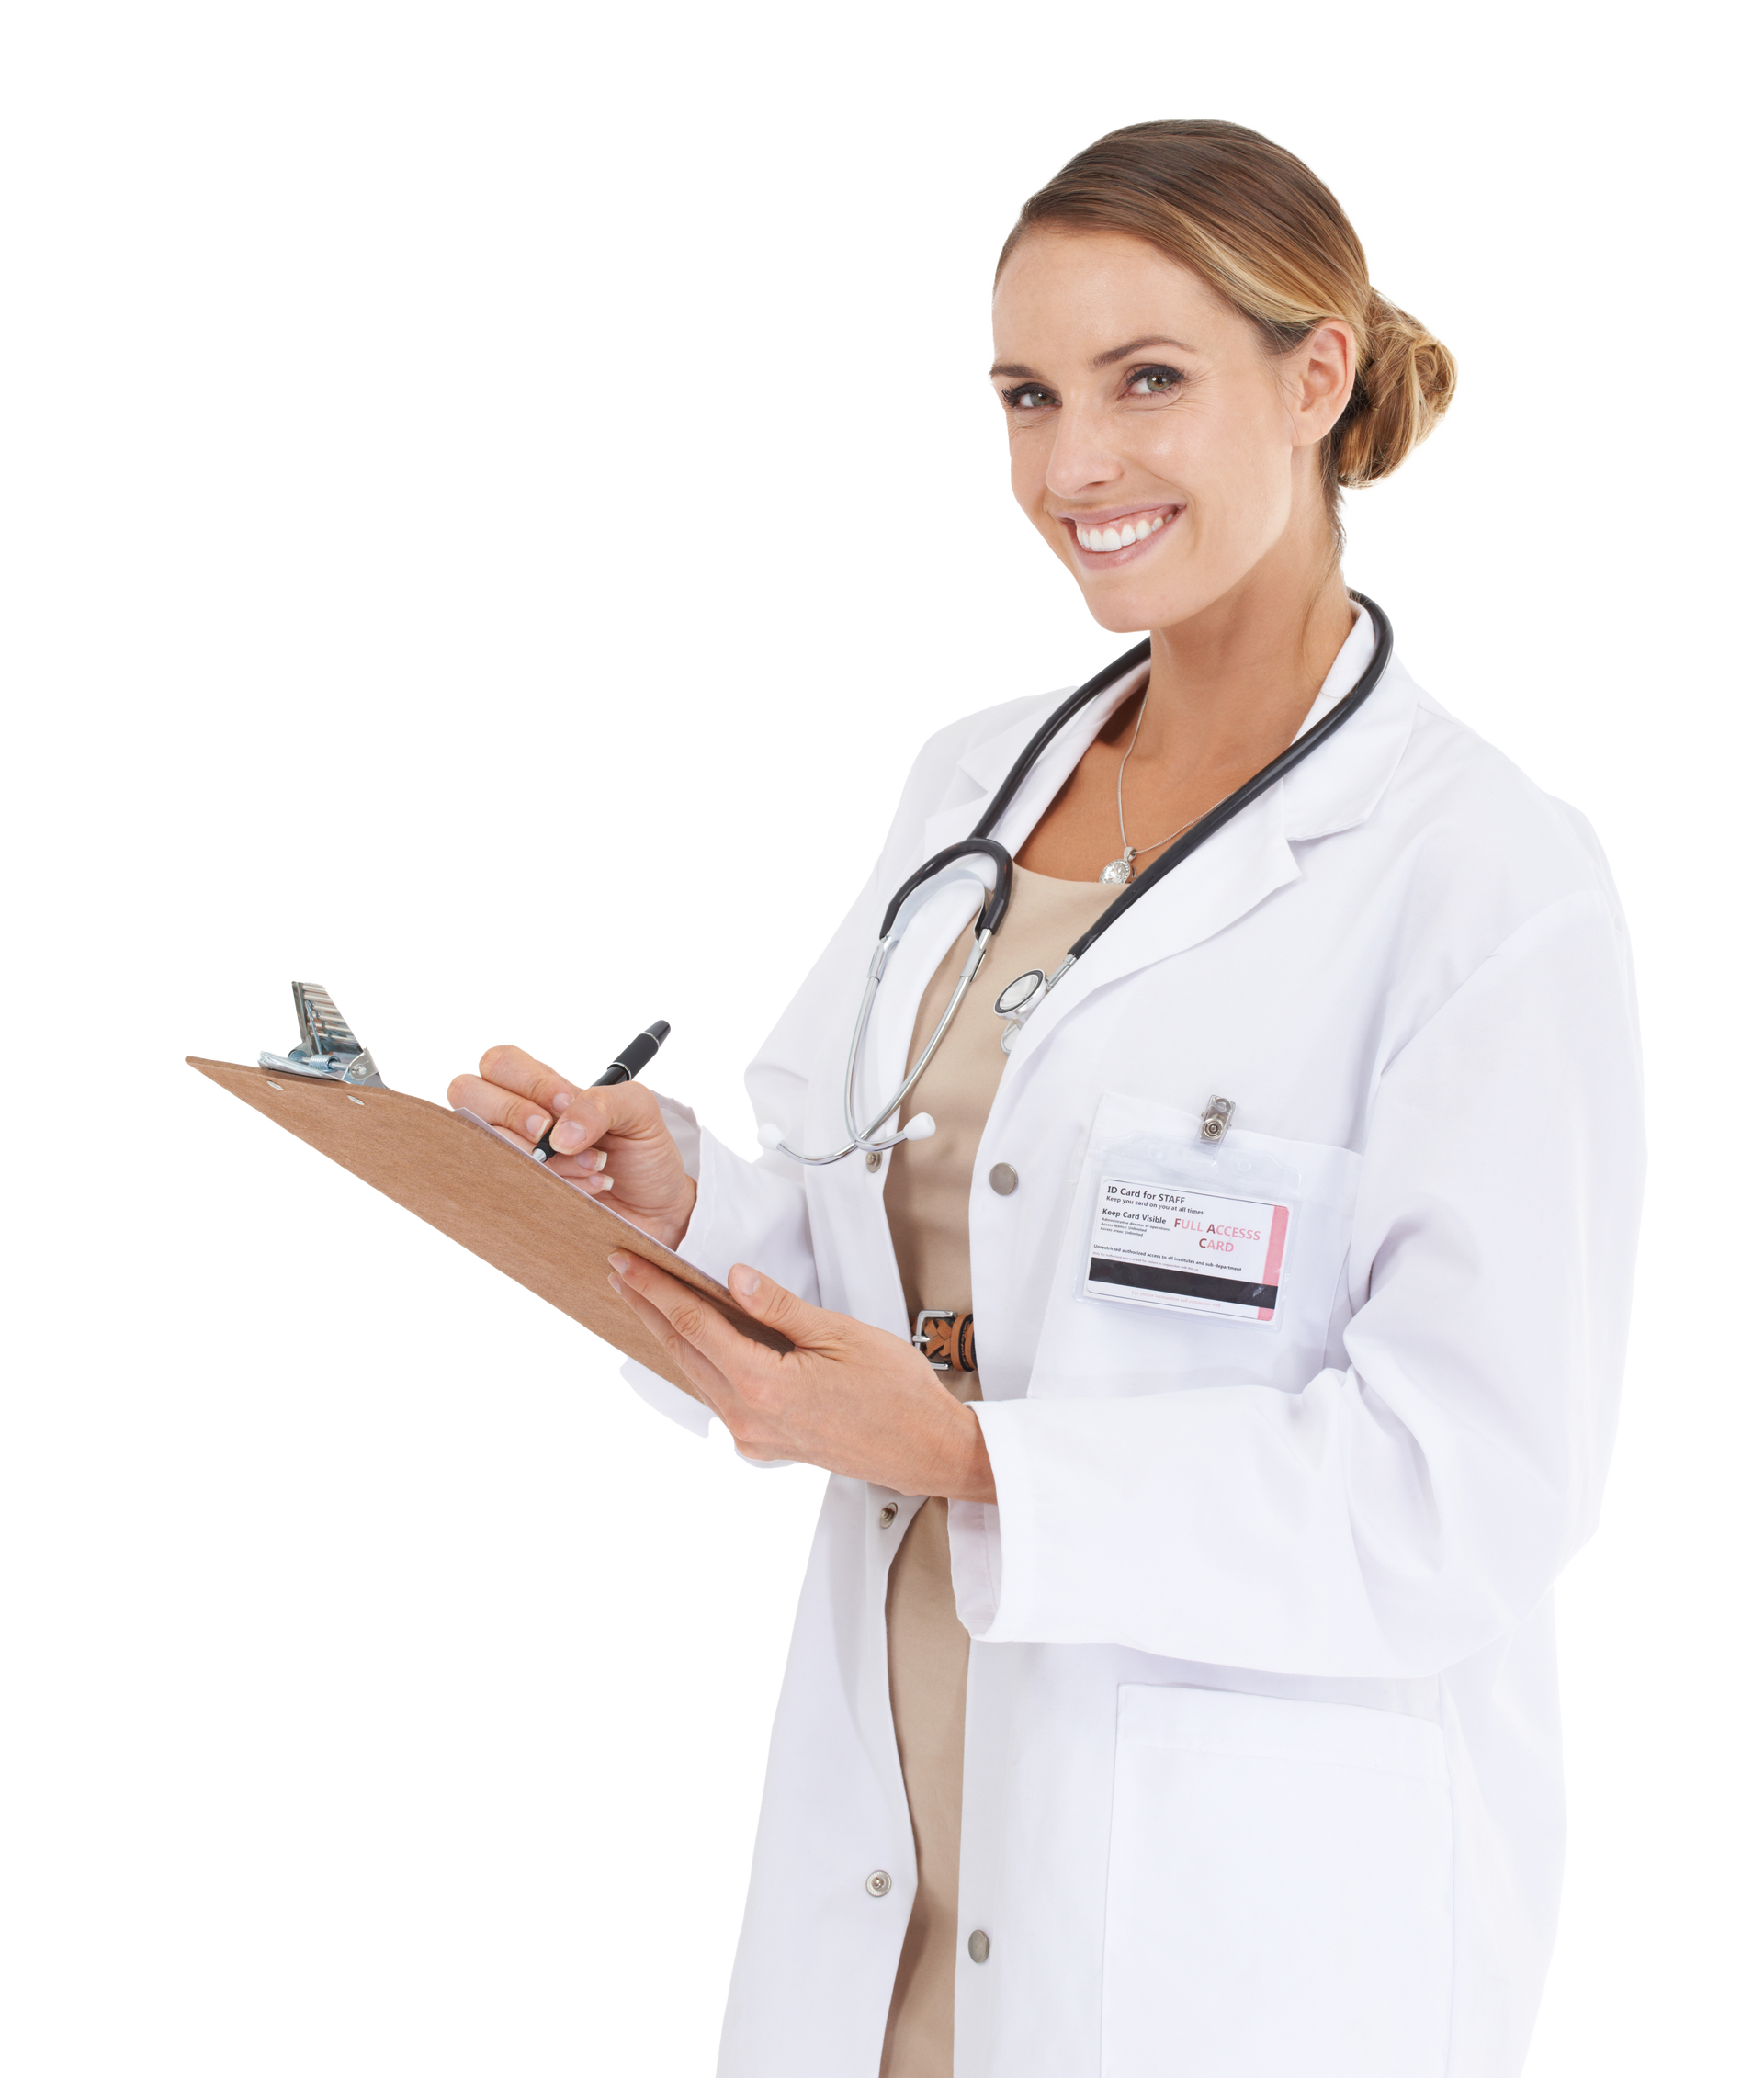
1074 294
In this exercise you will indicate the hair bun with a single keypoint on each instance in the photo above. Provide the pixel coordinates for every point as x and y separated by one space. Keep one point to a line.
1400 394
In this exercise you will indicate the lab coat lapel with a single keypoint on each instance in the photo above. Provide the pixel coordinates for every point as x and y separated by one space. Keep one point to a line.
1223 880
1340 784
1335 788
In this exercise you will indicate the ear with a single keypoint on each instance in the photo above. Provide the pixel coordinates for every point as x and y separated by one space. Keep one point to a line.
1320 372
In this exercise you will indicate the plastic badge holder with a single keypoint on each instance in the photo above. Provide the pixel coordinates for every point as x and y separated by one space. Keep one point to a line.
1188 1226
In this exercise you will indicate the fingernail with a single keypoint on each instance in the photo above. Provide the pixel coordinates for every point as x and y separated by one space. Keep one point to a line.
621 1262
616 1286
593 1183
561 1101
536 1125
746 1282
595 1157
567 1137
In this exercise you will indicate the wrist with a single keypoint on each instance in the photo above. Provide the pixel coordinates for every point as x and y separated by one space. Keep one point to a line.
672 1230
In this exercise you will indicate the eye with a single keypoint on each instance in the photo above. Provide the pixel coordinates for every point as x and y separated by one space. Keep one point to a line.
1155 382
1028 397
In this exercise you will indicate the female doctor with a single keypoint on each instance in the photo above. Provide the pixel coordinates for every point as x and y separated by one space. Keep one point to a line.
1213 1397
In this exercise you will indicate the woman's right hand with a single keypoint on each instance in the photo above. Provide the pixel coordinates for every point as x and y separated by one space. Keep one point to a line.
609 1141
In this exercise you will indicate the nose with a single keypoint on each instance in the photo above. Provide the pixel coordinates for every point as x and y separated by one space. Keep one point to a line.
1080 459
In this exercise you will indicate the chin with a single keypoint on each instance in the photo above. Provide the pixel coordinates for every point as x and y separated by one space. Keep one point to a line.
1124 607
1132 609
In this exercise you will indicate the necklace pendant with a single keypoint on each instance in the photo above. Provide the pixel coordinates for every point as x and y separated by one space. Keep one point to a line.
1118 872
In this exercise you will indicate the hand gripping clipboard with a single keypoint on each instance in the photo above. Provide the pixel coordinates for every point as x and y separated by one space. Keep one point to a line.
452 1171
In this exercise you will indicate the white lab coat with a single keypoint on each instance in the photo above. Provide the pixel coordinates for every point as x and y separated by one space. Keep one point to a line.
1263 1769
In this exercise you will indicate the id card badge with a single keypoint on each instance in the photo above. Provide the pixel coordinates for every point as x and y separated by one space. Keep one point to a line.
1186 1262
1193 1251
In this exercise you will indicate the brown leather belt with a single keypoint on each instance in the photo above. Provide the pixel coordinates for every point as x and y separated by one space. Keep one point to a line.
947 1339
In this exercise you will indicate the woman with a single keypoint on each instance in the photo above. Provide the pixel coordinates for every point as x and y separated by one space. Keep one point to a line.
1203 1718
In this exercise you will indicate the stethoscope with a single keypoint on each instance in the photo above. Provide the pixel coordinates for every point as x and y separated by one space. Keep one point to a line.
1029 990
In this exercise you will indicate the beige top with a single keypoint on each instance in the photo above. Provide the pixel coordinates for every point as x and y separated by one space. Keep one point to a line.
926 1196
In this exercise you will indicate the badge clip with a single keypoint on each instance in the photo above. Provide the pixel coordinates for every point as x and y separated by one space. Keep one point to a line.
1215 1120
328 1051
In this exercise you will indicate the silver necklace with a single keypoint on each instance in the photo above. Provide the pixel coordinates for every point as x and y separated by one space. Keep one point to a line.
1118 872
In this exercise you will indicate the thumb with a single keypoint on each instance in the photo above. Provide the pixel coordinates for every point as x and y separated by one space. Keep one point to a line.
769 1302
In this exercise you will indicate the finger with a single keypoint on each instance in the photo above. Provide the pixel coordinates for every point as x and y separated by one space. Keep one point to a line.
692 1322
511 1069
602 1110
766 1299
715 1388
498 1105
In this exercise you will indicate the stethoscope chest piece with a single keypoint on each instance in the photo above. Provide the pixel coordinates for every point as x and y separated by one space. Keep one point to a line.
1016 999
1022 992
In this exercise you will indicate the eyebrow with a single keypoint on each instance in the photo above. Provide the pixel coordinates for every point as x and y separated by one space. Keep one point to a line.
1103 360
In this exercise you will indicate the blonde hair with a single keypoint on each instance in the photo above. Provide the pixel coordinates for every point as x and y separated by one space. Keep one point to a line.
1259 227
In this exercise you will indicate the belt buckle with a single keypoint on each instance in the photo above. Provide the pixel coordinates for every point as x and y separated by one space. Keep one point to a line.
946 1338
921 1340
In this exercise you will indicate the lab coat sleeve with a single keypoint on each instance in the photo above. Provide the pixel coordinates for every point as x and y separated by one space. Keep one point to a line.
1415 1502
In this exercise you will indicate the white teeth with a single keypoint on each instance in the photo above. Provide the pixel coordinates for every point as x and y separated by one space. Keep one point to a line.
1102 540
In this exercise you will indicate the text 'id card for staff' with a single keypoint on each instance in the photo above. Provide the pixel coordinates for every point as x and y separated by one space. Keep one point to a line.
1154 1244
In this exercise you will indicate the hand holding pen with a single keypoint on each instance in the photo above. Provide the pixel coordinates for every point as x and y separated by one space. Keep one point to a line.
608 1138
624 1067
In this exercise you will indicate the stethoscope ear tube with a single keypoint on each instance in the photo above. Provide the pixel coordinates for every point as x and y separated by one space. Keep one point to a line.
1074 703
997 901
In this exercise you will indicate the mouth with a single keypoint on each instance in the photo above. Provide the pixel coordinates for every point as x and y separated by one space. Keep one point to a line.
1110 538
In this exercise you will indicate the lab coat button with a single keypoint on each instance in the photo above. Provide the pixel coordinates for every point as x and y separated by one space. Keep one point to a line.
872 1160
979 1946
878 1882
1003 1179
890 1511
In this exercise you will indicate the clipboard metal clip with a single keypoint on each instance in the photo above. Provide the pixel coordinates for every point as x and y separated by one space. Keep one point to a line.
328 1051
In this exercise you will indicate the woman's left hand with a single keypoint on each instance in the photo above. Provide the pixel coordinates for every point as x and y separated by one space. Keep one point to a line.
853 1398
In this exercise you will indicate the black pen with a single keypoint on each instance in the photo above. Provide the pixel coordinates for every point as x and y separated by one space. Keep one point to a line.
638 1054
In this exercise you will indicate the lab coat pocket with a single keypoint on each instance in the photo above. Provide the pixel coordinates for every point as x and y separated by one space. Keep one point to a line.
1187 1264
1280 1890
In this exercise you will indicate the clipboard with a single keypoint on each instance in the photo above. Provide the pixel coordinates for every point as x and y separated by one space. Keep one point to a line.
464 1180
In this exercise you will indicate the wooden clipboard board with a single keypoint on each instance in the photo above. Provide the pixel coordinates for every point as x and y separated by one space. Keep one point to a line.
477 1189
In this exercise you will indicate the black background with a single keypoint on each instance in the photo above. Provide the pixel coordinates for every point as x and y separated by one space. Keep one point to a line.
589 522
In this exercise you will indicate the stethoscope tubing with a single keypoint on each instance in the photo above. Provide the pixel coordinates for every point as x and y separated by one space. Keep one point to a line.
862 1137
997 901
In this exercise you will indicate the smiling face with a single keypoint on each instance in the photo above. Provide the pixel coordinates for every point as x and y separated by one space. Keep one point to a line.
1166 456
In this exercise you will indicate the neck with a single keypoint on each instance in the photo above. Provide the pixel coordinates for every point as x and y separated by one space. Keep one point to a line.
1231 686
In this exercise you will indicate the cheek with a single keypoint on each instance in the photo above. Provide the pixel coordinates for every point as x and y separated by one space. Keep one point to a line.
1028 469
1030 452
1238 465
